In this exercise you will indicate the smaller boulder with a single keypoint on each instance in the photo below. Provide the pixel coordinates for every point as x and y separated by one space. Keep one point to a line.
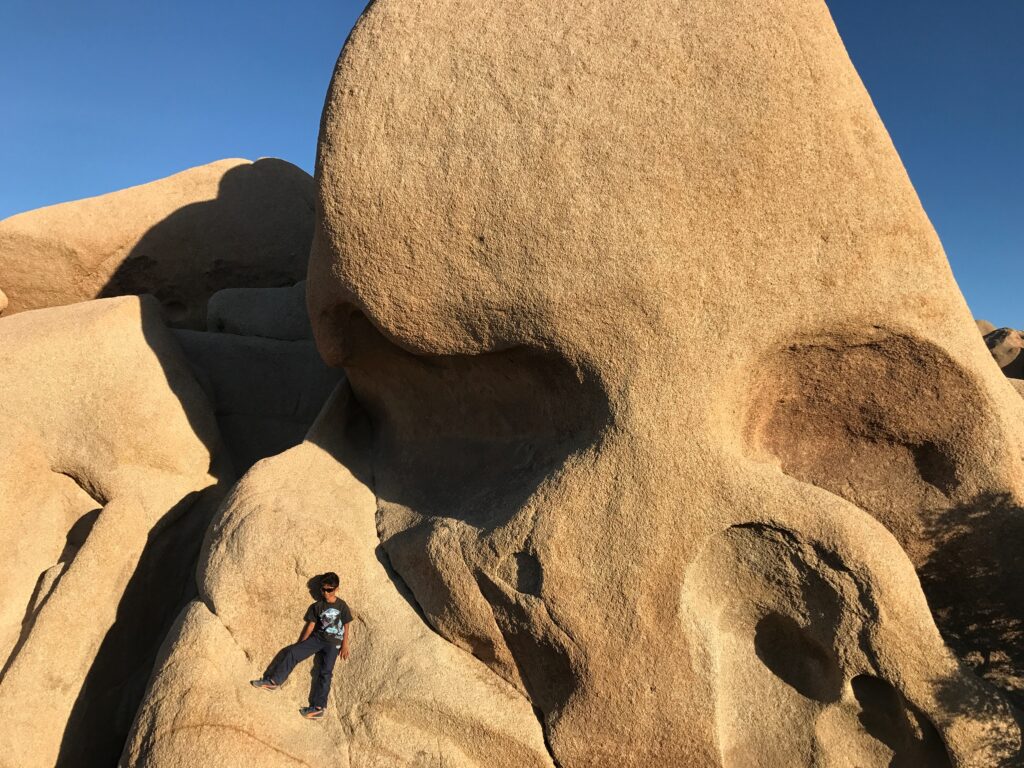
1005 344
272 313
985 327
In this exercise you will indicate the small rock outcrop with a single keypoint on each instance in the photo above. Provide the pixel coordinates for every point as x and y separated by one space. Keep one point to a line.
232 223
1006 344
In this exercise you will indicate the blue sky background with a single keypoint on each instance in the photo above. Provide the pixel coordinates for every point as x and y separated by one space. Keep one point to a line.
99 96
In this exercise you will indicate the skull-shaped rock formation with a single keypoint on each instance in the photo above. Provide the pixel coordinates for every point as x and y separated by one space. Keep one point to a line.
232 223
106 486
670 383
664 406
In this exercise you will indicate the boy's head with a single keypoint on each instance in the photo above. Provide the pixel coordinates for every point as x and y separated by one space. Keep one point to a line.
329 583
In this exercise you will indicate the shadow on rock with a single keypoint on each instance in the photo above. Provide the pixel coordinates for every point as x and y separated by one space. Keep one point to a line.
256 232
162 584
973 583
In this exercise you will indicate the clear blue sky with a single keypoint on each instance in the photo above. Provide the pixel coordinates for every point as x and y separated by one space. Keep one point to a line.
99 96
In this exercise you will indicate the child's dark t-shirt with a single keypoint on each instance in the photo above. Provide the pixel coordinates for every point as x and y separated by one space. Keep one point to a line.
330 619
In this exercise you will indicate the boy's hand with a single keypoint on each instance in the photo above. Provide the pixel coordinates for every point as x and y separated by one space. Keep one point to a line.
343 652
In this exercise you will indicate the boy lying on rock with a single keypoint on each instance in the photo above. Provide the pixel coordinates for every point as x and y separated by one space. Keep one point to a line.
326 634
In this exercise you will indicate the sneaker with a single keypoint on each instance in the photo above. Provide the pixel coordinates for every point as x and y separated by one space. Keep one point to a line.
313 713
264 682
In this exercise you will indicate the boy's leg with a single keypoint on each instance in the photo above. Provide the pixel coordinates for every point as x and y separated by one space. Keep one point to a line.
322 681
292 656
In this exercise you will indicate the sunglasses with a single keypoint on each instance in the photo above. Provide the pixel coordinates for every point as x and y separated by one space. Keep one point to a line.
327 589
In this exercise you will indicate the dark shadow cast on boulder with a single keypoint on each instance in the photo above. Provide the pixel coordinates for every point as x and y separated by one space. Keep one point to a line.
161 586
256 232
981 612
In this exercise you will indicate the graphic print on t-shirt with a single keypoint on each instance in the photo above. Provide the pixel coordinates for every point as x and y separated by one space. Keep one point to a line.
329 623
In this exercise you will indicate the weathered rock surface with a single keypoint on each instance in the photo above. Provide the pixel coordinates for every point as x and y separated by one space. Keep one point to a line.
406 696
232 223
273 313
1005 344
984 326
266 393
549 236
107 484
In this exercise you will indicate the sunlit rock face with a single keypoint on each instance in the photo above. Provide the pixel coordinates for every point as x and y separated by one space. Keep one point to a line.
678 420
111 459
231 223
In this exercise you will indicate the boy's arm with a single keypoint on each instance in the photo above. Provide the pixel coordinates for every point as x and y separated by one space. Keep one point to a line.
344 651
310 626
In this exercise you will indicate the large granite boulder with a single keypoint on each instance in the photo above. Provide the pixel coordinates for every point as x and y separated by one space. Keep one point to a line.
676 404
232 223
114 466
111 462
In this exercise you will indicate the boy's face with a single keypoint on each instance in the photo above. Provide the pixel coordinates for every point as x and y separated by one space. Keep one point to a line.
328 592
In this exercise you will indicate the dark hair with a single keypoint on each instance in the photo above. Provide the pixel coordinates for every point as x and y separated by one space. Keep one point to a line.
330 579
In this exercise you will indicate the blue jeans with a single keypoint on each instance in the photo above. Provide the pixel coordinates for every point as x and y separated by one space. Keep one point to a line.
295 653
